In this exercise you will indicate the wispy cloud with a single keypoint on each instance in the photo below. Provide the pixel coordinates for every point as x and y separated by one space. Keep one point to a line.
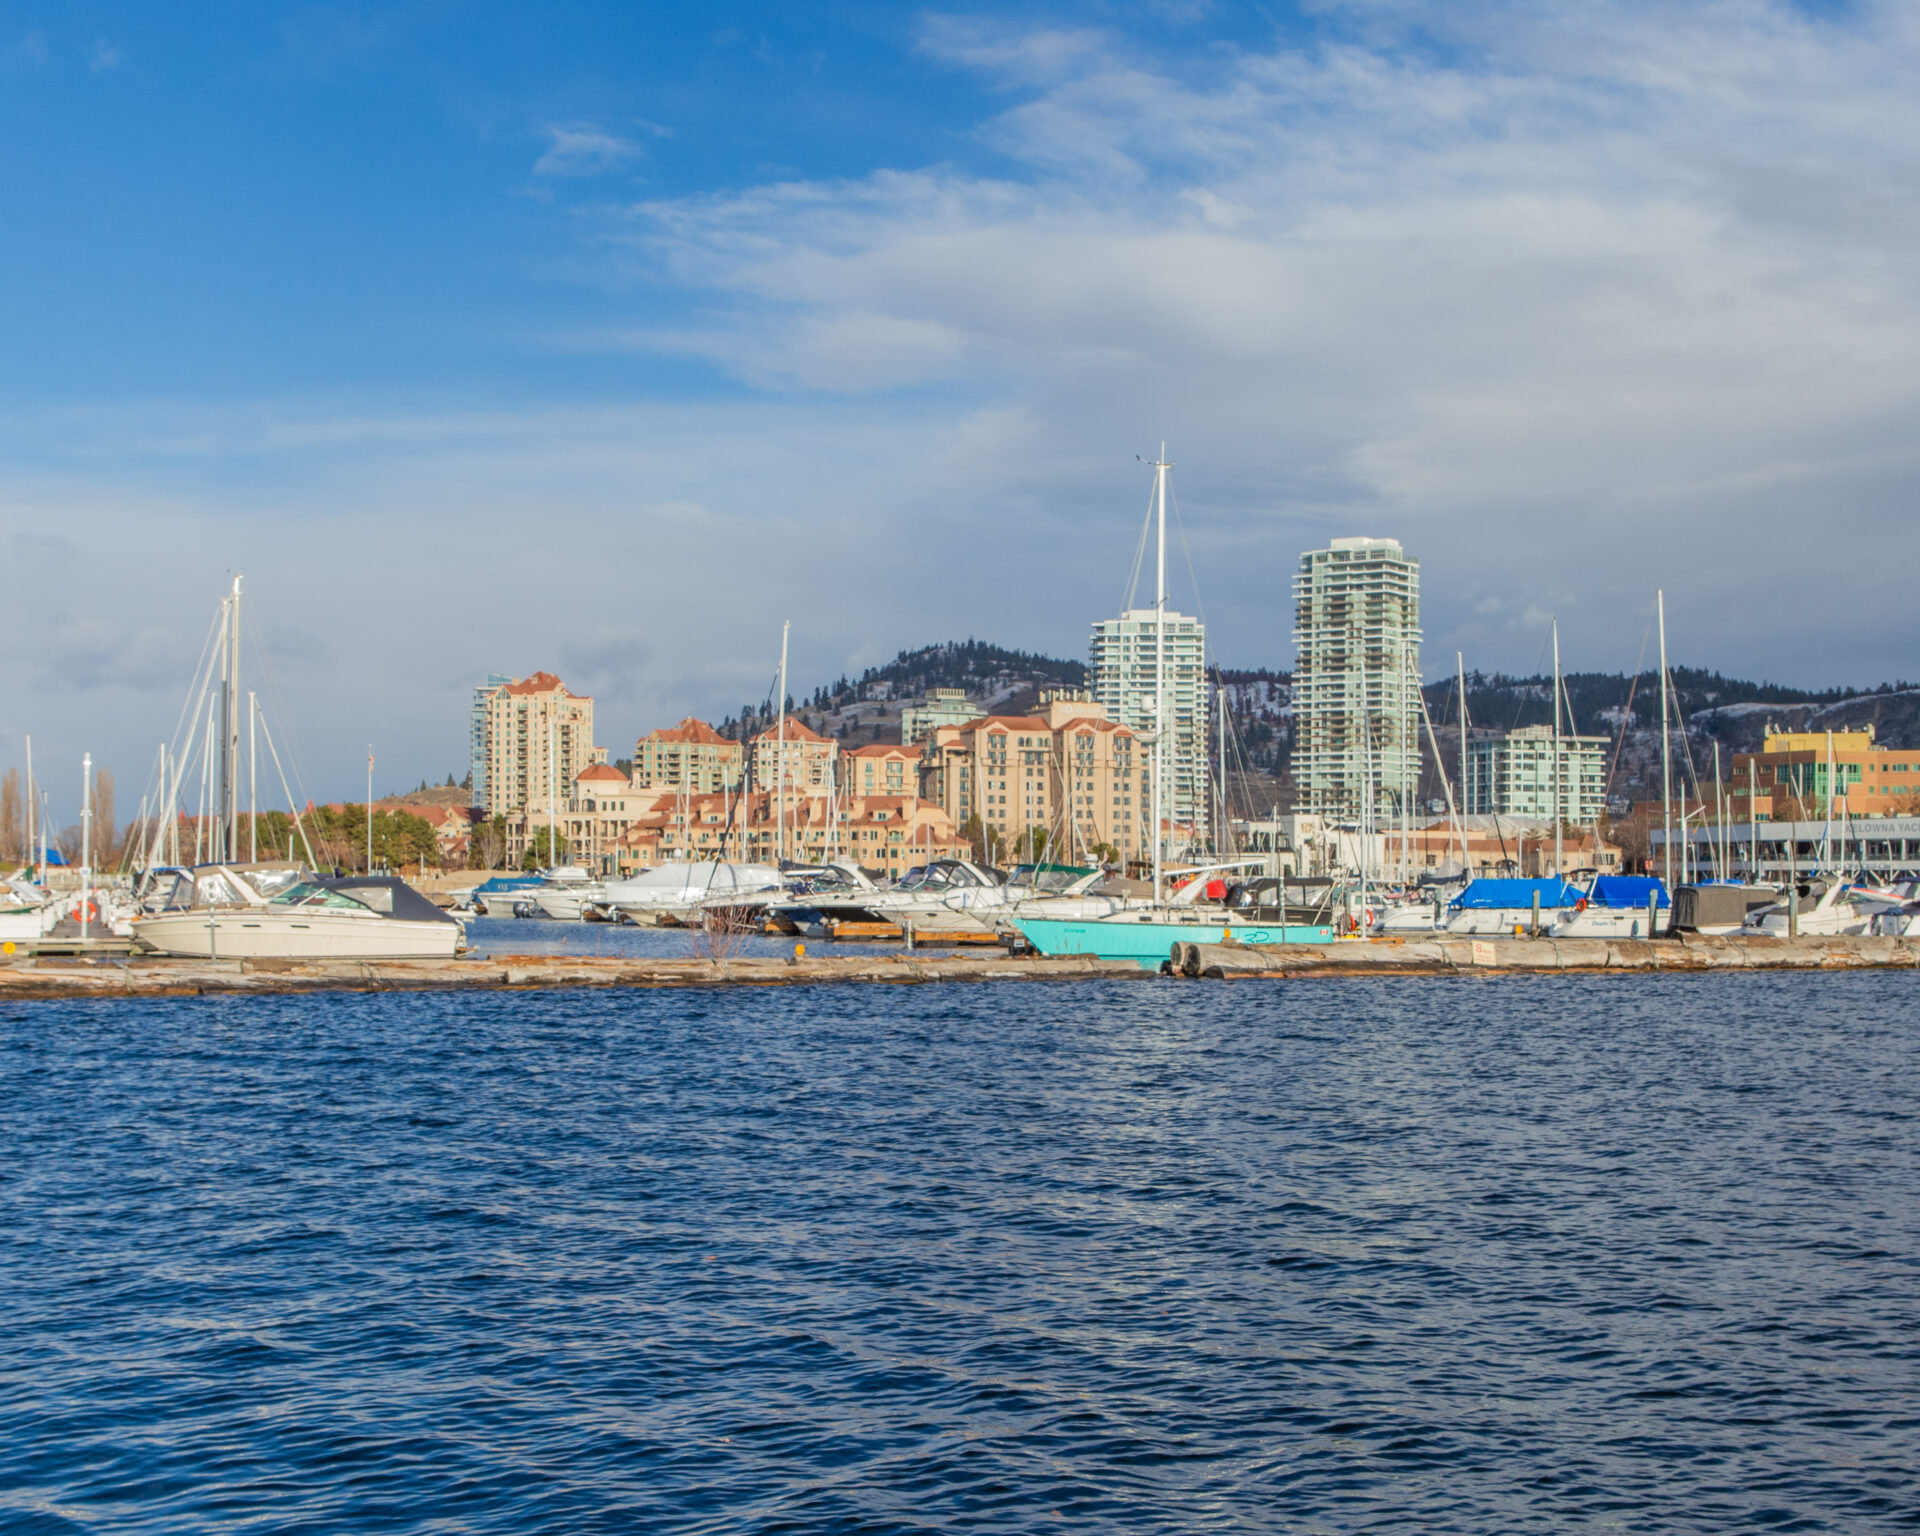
1613 276
105 57
581 149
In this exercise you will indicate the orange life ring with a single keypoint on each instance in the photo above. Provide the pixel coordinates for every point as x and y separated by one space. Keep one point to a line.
1580 905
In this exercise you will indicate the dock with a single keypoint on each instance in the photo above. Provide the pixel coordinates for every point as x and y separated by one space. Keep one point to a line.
47 977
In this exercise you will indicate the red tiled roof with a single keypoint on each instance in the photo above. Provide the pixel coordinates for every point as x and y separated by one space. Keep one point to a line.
540 682
1011 723
693 730
600 773
882 749
796 731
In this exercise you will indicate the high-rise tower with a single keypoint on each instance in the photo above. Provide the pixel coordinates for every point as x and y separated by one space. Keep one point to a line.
1356 678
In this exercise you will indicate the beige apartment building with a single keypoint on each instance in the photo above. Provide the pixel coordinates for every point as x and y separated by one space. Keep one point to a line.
1069 770
603 807
692 757
887 834
880 769
810 759
539 736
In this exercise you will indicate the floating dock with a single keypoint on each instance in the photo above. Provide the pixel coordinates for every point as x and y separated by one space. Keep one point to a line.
50 977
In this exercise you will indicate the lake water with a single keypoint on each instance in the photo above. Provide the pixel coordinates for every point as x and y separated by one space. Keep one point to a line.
1474 1254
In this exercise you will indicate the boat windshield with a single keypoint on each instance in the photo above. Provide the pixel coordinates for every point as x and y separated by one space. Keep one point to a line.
305 894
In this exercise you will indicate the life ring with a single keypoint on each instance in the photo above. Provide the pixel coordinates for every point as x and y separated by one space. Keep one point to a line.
87 911
1580 905
1369 918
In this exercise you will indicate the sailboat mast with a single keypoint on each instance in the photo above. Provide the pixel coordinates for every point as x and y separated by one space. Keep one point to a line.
1466 798
253 778
1666 750
1160 468
32 807
1826 832
1220 831
1719 815
1559 794
780 755
230 786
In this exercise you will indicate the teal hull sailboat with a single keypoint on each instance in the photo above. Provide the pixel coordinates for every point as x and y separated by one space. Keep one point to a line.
1148 939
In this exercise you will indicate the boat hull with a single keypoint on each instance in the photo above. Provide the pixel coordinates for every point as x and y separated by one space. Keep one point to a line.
1150 944
247 935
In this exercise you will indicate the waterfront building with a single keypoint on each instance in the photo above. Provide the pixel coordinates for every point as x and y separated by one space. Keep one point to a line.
810 759
539 736
1513 775
880 769
477 737
690 756
941 706
885 834
1770 851
1125 679
1794 772
1070 771
1356 679
601 807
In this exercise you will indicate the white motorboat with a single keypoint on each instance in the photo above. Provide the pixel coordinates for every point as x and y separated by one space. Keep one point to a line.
217 912
1892 911
26 912
1822 907
946 893
563 893
679 889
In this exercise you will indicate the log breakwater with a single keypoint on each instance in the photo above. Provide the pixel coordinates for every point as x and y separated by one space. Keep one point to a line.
44 977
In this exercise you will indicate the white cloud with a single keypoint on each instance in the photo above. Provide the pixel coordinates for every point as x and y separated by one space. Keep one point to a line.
581 149
1620 290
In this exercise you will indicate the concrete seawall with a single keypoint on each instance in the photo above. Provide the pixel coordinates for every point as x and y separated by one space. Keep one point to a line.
1448 956
50 978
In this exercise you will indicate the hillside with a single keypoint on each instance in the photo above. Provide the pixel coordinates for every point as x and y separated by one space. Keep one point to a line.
1732 712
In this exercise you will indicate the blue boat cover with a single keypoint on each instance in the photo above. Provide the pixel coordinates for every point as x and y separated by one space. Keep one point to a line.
1482 895
1627 891
499 885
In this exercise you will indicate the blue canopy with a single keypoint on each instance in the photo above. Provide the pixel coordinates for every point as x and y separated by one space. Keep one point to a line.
55 857
1627 891
500 885
1483 895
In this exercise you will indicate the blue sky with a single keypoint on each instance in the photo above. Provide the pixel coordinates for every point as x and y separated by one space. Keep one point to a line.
603 339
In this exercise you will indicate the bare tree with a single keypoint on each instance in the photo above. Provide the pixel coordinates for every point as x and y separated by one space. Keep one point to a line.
13 826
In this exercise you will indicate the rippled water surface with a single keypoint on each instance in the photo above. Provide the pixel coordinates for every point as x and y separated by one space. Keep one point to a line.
1460 1255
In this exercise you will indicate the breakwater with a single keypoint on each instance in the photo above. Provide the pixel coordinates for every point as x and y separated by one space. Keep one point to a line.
64 977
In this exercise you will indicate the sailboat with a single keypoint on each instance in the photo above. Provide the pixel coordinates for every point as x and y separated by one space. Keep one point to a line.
1149 935
230 909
